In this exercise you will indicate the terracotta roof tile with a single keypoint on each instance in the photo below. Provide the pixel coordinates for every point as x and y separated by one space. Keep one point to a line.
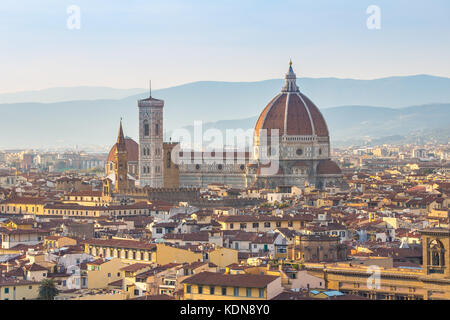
132 151
239 280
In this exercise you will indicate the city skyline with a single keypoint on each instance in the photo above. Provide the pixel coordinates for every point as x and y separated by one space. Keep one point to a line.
236 151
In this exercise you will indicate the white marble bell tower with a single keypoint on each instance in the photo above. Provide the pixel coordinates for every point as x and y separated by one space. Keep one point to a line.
151 142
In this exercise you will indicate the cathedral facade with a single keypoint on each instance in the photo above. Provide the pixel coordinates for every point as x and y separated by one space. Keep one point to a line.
292 132
291 147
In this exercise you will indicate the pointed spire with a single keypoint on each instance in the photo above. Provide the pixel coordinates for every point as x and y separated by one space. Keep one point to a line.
290 84
120 138
291 71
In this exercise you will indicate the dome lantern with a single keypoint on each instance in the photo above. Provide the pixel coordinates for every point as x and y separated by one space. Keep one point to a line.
290 78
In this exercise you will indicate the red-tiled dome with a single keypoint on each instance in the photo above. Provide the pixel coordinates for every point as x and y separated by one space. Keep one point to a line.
328 167
132 151
292 113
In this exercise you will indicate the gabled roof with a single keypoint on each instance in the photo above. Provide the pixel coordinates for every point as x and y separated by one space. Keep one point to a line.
35 267
135 267
122 243
195 236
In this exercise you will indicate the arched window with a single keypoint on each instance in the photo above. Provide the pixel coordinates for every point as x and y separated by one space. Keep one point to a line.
435 261
157 129
146 128
436 252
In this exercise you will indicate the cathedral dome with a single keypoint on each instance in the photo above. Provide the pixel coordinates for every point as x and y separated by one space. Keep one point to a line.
292 113
132 151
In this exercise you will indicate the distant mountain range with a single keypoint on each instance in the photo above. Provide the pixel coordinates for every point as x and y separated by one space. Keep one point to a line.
359 124
391 92
353 109
61 94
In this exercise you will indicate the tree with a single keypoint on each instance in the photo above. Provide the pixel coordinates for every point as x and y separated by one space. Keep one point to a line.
282 205
47 289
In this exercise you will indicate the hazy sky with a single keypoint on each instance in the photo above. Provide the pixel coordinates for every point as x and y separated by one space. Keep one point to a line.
124 43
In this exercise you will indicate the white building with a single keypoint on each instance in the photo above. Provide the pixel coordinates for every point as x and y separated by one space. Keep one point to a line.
151 142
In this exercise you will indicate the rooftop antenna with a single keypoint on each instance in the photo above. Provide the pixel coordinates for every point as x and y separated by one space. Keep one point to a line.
150 87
